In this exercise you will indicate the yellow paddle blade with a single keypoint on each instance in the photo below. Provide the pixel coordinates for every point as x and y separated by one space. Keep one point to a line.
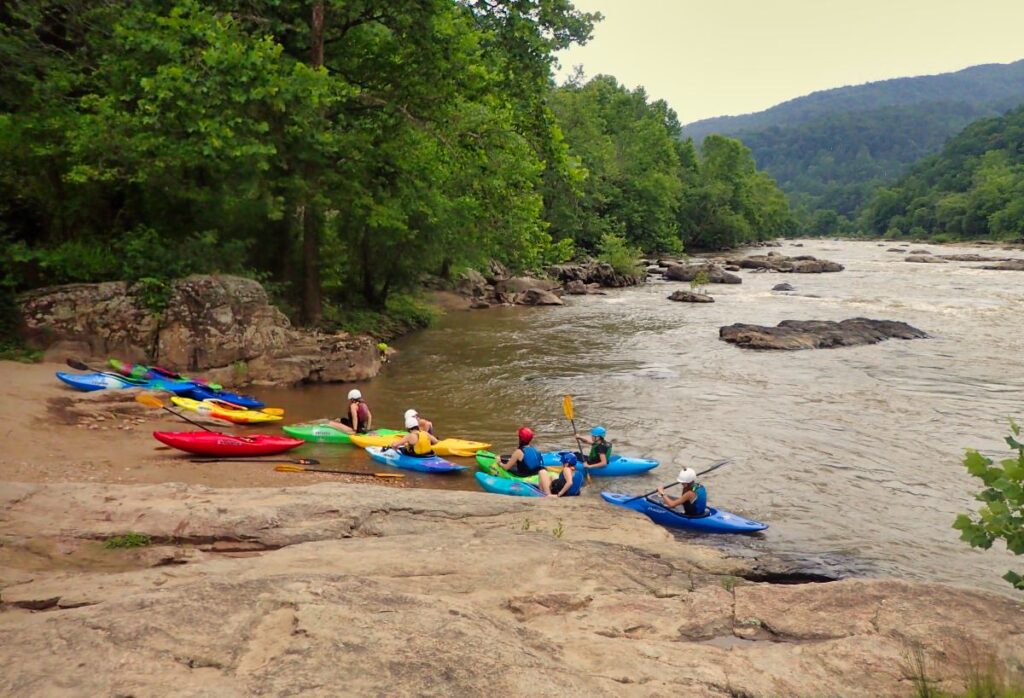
567 407
272 410
392 475
149 400
289 469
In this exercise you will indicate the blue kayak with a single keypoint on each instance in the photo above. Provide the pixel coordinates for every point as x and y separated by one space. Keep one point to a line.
617 465
715 521
112 381
429 464
205 392
501 485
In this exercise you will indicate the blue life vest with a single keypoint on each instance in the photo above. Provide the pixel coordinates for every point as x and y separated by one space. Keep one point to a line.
532 460
579 478
698 506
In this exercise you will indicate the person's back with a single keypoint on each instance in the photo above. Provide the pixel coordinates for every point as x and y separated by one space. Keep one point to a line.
699 504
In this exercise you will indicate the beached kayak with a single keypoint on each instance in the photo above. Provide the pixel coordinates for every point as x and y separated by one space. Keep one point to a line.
324 434
219 409
501 485
617 465
144 372
205 443
716 520
491 466
205 392
430 464
444 447
112 381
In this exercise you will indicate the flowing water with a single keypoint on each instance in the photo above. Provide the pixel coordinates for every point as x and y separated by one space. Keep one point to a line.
851 455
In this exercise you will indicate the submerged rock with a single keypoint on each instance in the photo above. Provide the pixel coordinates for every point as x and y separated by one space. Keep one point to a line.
817 334
689 297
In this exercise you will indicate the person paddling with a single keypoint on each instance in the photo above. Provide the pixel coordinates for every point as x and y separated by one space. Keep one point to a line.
359 418
600 449
417 442
425 424
525 460
694 498
568 483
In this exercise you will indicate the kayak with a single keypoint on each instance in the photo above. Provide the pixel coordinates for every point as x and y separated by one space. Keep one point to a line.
489 463
141 371
500 485
219 409
112 381
205 443
444 447
715 521
205 392
617 465
324 434
430 464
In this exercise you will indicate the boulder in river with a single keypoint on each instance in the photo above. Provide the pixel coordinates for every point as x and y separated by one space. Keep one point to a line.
802 264
924 259
690 297
688 272
783 287
1014 265
537 296
920 251
817 334
897 249
576 288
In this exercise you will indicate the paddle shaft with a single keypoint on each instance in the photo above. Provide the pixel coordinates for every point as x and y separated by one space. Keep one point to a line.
716 466
298 469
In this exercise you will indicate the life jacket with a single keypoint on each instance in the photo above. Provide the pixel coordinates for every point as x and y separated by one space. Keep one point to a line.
700 504
579 478
594 457
422 447
532 460
362 413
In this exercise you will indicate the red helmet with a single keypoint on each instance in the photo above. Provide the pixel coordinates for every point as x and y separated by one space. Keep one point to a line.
525 434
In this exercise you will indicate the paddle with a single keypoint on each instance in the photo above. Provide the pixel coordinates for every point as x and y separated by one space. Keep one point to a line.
570 414
79 366
224 404
299 461
297 469
153 401
714 466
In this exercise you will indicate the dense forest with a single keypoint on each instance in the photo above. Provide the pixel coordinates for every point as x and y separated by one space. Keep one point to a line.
973 188
338 150
830 150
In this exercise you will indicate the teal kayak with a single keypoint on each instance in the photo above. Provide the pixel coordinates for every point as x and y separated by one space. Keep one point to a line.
501 485
427 464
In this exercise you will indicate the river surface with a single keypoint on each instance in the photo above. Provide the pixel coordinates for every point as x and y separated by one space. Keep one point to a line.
851 455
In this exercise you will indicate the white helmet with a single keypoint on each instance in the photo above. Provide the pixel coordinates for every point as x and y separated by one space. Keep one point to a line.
354 394
687 476
412 423
411 413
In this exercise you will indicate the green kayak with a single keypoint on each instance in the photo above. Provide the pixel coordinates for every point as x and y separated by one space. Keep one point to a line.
324 434
490 464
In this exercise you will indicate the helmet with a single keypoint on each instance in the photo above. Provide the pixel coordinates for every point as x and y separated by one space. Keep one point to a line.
411 413
354 394
687 476
598 431
525 434
568 458
412 423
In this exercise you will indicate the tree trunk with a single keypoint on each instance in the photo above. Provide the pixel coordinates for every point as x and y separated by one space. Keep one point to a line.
312 300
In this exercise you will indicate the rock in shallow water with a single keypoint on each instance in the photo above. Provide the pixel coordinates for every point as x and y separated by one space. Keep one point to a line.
817 334
689 297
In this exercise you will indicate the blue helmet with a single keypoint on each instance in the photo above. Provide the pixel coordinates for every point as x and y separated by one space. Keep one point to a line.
598 431
569 458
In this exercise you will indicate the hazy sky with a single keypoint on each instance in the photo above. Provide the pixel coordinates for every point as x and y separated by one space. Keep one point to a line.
713 57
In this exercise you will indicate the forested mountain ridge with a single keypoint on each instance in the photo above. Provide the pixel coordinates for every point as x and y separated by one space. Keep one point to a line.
973 188
998 84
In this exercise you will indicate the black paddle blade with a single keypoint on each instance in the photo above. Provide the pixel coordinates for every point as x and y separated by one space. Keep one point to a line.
77 365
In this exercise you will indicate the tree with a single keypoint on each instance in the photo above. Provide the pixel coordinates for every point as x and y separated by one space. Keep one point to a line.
1002 516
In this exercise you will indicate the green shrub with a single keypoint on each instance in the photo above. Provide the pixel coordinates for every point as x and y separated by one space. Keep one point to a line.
128 540
614 250
402 314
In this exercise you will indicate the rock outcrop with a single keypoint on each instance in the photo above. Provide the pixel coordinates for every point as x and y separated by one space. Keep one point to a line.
506 290
689 297
688 272
924 259
223 326
801 264
600 273
358 590
1013 265
817 334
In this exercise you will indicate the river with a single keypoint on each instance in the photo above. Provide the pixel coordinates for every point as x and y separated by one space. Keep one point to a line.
851 455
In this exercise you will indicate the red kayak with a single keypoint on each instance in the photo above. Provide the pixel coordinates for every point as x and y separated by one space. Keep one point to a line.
206 443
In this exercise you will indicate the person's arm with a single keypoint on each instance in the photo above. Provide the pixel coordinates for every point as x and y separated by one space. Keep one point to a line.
516 457
353 415
399 441
683 499
369 419
433 439
568 481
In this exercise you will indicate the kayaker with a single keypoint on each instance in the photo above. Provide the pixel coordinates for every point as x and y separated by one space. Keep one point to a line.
425 424
359 418
600 449
417 442
694 498
525 460
568 483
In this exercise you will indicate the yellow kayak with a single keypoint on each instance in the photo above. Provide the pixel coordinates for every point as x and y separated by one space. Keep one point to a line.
225 410
444 447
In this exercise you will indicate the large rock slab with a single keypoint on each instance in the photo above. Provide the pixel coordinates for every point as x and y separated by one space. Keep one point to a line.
688 272
600 273
801 264
334 590
690 297
817 334
1013 265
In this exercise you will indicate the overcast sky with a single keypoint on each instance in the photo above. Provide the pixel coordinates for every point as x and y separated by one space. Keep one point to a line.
714 57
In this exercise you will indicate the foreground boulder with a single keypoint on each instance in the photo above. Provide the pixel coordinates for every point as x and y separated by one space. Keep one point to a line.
817 334
223 326
689 297
689 272
358 590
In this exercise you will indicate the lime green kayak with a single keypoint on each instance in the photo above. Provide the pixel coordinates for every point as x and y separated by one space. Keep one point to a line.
490 464
325 434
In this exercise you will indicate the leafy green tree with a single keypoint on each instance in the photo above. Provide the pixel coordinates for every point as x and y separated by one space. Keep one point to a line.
1002 515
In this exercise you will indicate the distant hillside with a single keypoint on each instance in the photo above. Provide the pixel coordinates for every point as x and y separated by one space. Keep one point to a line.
973 188
830 150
